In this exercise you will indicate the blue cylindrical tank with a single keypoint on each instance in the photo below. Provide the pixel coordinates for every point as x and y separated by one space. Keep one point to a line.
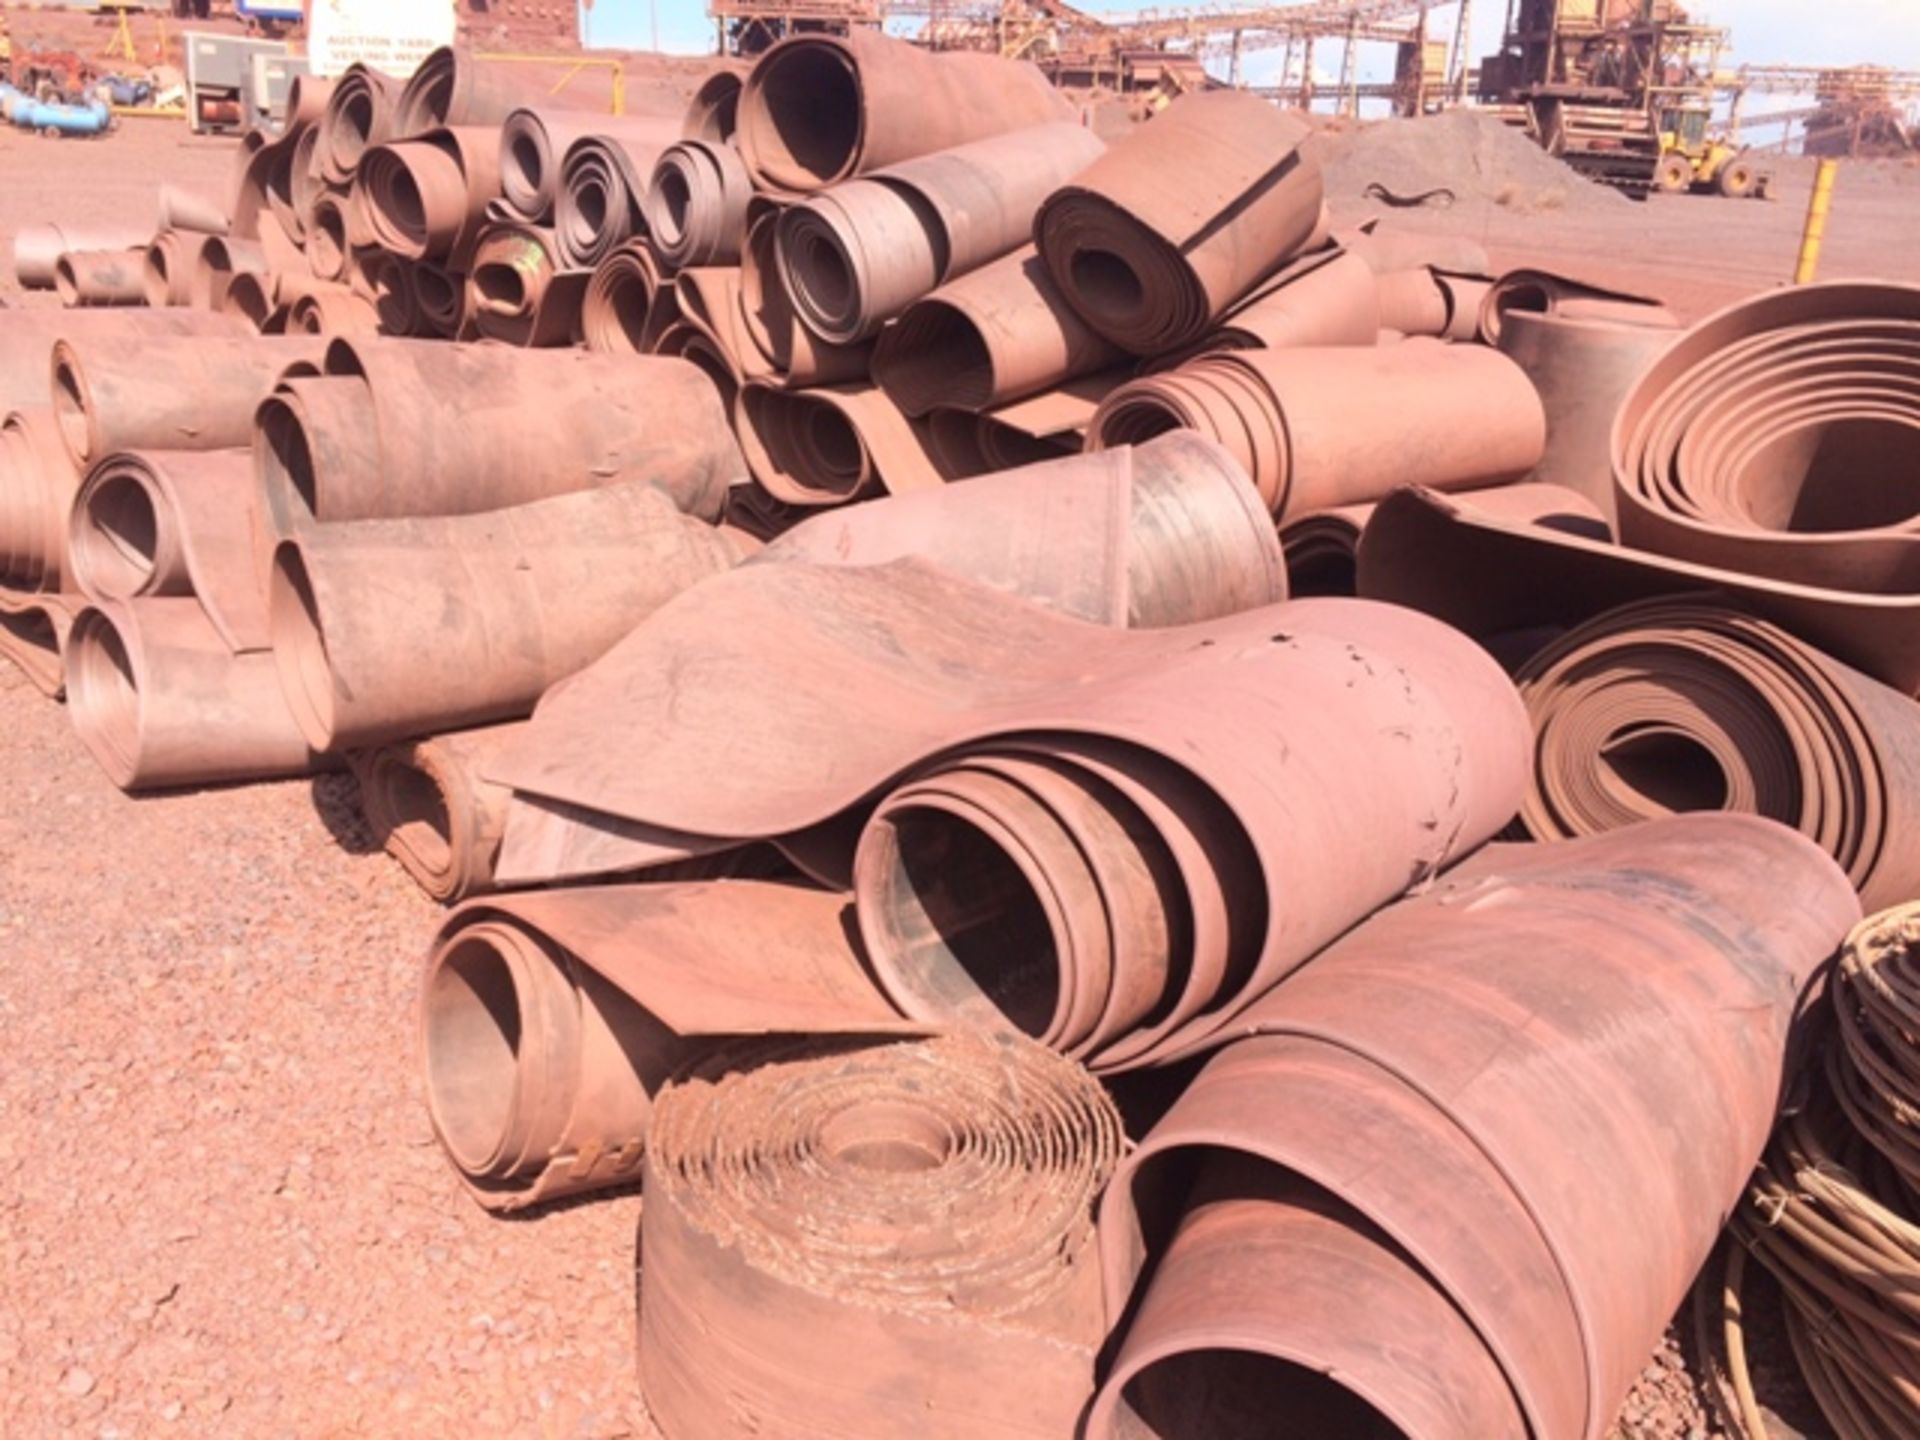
67 119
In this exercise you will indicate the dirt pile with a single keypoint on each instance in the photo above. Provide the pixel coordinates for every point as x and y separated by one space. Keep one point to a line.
1480 159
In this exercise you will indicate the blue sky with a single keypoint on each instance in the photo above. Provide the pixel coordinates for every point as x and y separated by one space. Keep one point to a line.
1847 32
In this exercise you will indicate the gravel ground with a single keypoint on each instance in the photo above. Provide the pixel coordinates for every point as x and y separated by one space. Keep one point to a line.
1481 160
222 1212
221 1206
1697 252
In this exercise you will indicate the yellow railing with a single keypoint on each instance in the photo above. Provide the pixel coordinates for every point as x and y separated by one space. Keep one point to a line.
1817 207
575 64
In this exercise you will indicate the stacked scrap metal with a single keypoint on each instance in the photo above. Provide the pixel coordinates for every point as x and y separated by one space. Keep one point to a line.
835 639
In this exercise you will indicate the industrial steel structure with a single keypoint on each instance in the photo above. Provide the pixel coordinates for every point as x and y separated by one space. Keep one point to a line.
1151 48
1624 90
1857 110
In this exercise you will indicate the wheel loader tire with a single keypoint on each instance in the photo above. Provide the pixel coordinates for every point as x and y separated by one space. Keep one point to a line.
1674 175
1736 179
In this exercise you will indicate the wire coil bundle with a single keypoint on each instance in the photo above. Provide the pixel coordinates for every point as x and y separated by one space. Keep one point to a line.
1834 1211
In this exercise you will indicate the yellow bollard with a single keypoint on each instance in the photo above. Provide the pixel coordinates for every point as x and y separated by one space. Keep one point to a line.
1816 230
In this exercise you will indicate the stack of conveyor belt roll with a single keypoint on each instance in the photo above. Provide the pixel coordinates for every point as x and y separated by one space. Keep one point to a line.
1138 813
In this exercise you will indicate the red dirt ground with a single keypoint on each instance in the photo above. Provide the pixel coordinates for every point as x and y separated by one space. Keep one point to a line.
222 1212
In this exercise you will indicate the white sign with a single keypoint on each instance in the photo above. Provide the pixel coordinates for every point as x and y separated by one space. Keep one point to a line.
390 35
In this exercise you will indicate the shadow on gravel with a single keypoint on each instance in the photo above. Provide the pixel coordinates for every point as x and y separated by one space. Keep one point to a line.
336 800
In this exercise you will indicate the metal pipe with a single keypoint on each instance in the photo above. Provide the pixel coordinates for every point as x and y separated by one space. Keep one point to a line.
1816 231
1462 52
1349 95
1420 61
